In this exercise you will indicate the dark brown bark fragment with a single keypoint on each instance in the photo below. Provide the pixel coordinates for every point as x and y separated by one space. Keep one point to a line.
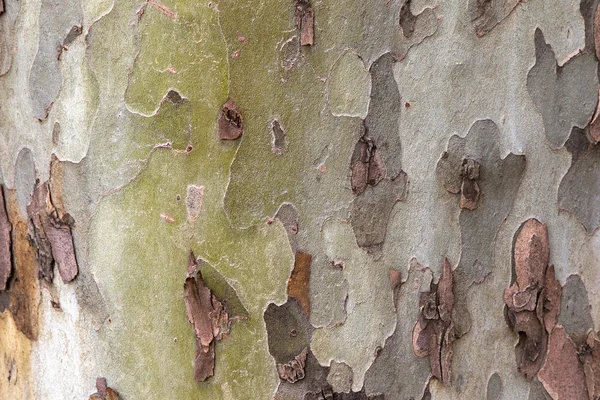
366 165
199 306
305 20
5 243
230 124
433 334
298 283
208 316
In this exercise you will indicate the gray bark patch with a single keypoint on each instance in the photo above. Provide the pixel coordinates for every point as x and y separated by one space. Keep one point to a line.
494 387
575 310
57 19
579 190
397 358
565 96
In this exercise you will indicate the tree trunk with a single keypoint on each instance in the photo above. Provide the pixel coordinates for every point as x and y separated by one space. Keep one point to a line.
299 199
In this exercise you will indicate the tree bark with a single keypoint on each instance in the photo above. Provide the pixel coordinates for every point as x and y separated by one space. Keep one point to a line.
378 199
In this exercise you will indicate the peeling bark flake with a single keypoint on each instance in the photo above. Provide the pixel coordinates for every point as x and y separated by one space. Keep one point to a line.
562 374
103 392
293 371
367 167
5 243
209 318
52 236
230 122
527 297
433 334
305 16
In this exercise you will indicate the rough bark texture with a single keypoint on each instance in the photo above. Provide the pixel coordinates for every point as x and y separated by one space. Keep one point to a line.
386 200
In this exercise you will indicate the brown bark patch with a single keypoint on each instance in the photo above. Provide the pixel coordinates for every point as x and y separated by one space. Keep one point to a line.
230 124
305 21
24 291
298 284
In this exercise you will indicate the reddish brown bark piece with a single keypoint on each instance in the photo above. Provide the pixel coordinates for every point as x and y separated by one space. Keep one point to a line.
230 124
53 236
305 21
533 300
298 284
433 334
293 371
5 243
366 165
562 374
103 391
531 253
208 317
